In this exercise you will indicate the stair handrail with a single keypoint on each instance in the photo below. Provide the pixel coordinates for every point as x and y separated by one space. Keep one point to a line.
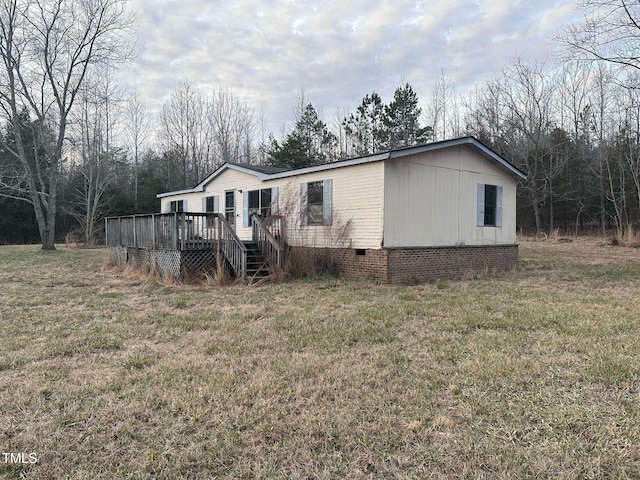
232 247
267 243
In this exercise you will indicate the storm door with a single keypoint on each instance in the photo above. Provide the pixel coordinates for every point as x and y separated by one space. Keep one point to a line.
230 208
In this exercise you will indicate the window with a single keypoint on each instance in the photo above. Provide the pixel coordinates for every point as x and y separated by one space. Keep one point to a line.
489 205
254 204
265 202
211 204
258 202
176 206
315 203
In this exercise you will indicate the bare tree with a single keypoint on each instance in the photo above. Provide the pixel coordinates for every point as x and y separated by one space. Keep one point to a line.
233 127
92 132
632 129
485 118
262 147
183 130
47 48
138 128
610 32
573 89
443 112
601 125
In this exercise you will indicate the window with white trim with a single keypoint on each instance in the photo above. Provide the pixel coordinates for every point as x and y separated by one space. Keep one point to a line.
261 202
177 205
254 204
316 202
211 204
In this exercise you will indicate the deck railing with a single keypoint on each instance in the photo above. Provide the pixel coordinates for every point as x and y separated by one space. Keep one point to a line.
197 231
267 242
176 231
232 247
275 225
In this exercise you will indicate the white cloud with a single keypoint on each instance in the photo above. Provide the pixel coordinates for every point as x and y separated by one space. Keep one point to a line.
337 51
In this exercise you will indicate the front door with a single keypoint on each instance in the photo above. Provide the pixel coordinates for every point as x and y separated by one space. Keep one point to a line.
230 207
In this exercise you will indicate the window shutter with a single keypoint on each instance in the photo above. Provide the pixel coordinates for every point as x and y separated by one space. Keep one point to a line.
274 201
481 204
499 207
245 209
303 204
216 204
204 210
327 201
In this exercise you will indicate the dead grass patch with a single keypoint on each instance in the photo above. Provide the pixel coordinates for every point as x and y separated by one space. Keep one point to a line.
533 374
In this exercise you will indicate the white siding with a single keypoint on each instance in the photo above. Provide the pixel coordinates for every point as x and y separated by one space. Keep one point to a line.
194 202
357 207
357 204
431 200
427 199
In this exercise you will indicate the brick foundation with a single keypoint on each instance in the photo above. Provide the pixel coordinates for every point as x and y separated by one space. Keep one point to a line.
412 265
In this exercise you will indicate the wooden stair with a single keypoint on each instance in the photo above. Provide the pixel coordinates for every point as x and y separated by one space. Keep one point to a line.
256 265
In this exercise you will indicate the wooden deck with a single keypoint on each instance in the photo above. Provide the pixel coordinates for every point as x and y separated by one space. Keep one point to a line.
182 242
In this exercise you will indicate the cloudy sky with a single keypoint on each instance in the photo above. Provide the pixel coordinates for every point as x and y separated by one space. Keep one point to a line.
335 50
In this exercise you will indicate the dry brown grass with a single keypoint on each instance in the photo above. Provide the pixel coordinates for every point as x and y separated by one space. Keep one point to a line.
530 375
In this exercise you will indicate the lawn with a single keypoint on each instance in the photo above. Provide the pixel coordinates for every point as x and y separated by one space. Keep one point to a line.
535 374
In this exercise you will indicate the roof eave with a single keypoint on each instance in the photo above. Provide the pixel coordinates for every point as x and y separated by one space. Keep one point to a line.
218 171
180 192
329 166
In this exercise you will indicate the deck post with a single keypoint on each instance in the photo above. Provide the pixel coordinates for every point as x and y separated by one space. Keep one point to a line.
183 221
135 237
244 266
176 231
219 235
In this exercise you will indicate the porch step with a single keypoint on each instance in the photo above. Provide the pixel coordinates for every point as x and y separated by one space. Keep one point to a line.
256 266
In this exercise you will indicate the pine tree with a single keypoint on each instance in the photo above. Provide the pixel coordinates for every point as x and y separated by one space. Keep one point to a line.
365 129
310 143
402 120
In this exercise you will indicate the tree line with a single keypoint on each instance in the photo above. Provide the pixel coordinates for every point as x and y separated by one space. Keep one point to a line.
75 147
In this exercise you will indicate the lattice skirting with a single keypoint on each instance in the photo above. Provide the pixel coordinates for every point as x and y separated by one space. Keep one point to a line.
196 262
167 262
173 263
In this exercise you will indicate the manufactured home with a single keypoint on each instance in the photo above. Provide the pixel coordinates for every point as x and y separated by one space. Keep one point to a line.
441 210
